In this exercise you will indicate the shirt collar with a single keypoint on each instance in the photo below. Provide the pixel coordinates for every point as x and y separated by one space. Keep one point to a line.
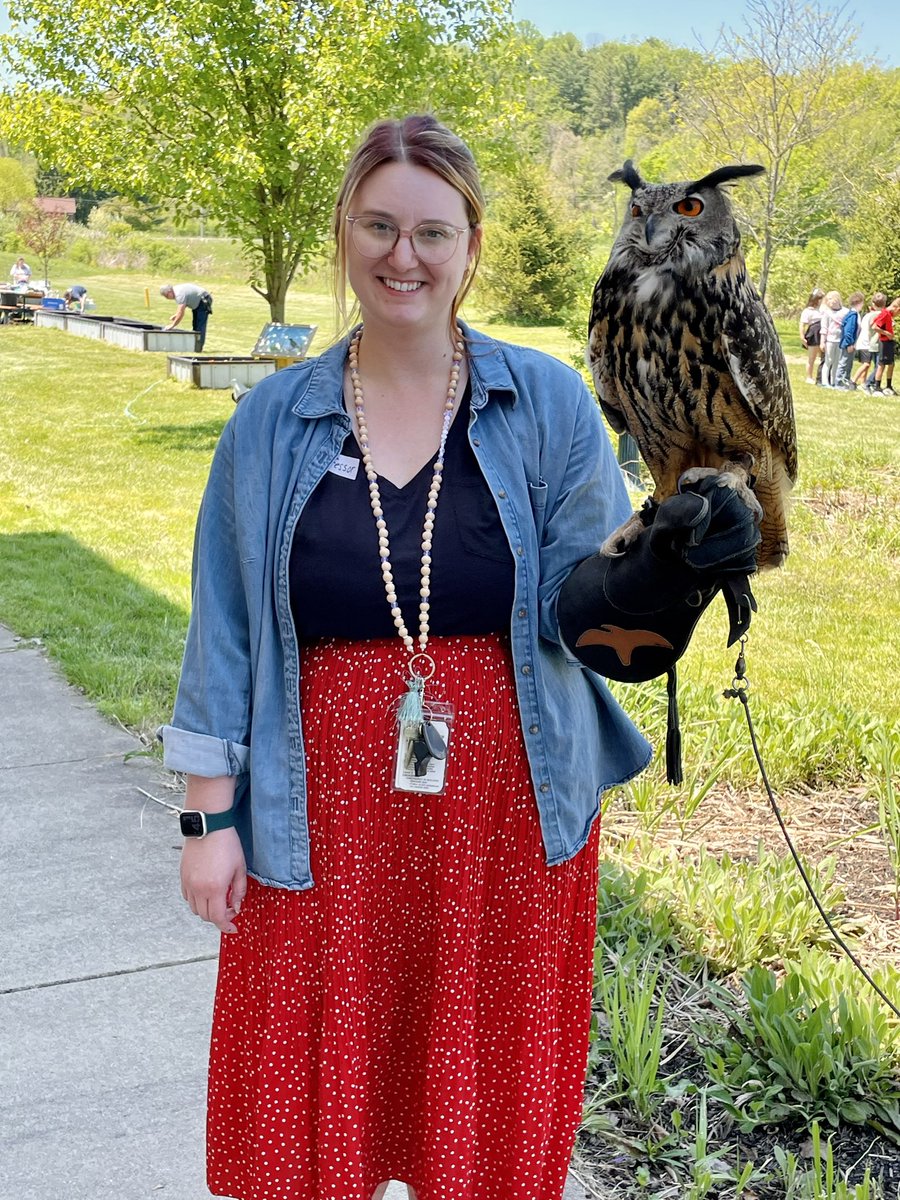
491 377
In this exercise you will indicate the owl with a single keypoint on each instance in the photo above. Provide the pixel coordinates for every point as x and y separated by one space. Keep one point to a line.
685 356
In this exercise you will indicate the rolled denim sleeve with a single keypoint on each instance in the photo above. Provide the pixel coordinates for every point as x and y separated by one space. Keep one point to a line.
200 754
587 501
210 729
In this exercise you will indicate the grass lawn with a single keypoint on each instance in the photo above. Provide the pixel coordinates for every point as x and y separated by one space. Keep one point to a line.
103 458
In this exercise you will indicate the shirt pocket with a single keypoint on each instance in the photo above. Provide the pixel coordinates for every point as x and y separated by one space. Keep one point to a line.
478 523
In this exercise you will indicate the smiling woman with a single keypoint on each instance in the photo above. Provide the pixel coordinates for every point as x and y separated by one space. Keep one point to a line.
376 719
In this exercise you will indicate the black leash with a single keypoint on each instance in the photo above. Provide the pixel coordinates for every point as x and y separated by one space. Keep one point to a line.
738 691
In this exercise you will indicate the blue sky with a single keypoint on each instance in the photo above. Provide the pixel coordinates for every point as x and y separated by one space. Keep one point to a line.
593 21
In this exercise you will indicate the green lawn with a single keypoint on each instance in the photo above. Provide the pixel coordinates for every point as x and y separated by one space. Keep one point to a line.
103 460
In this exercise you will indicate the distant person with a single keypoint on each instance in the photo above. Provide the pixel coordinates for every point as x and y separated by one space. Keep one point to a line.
76 297
884 372
867 343
833 313
189 296
20 273
850 327
810 330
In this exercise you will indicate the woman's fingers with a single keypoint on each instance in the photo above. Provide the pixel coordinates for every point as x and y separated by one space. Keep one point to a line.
214 878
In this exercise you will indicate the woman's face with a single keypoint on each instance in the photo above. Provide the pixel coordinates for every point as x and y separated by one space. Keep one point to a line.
397 288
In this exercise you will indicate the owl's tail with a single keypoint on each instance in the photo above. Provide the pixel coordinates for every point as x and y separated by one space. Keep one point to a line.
772 491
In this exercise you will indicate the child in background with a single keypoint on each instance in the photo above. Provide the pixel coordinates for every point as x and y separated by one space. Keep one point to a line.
849 333
884 323
810 331
867 341
833 313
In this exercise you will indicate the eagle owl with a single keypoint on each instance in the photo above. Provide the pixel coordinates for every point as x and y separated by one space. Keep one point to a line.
684 354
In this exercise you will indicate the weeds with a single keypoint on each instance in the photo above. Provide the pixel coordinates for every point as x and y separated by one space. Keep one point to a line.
806 1049
634 1030
820 1182
739 913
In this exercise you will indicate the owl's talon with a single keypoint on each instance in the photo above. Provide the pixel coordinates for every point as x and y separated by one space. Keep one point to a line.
620 539
734 475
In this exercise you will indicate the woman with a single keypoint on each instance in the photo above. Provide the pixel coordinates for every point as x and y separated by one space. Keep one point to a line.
810 330
20 272
405 989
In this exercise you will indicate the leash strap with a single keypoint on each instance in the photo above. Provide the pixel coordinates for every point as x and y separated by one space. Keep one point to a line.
738 691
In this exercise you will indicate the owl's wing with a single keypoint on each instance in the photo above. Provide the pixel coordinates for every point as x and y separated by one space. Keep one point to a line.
603 329
756 360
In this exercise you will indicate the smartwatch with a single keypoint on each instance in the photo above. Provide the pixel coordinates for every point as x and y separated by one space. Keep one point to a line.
195 824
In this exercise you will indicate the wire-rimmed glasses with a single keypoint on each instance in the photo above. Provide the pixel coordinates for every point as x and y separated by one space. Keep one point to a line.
433 242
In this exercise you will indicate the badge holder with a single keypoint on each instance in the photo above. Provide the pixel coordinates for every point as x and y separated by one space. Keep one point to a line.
421 762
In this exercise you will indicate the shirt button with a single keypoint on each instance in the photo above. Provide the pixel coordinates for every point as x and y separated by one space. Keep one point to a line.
476 441
526 670
502 495
545 787
523 612
520 550
532 728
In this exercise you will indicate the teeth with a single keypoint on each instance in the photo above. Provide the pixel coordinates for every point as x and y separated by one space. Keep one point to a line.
398 285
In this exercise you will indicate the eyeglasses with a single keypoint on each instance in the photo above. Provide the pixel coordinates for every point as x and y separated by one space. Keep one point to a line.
433 242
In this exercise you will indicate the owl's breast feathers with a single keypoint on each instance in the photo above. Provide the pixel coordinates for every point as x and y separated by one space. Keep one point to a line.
689 363
693 369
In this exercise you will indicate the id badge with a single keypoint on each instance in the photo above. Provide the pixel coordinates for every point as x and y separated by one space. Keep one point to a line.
421 762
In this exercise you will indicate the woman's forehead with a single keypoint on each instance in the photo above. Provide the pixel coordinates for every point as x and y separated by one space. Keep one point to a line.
409 192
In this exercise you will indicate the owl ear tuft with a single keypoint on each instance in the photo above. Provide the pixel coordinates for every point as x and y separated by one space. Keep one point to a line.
627 174
726 174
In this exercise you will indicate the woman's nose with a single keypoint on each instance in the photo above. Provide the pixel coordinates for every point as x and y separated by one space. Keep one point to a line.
403 253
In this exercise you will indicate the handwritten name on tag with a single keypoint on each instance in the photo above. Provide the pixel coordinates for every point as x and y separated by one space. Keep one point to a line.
345 466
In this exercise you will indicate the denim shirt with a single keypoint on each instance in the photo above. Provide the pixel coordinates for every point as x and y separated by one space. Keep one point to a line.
538 438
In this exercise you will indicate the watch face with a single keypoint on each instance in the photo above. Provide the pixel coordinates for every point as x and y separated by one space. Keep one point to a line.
192 824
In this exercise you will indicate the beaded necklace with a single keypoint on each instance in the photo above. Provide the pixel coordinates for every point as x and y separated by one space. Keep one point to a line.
421 665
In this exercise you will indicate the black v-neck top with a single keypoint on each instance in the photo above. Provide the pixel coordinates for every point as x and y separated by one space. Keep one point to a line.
337 589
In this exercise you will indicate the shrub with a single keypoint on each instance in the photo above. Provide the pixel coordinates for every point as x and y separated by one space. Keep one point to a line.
534 264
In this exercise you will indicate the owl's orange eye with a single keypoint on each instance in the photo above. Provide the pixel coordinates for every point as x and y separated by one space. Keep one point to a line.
636 210
690 206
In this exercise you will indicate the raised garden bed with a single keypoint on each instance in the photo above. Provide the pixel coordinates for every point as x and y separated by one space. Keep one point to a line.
220 371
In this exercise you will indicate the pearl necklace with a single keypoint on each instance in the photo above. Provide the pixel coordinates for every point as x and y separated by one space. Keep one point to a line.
421 664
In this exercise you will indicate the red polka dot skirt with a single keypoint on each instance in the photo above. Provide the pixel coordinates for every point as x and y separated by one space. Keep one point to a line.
422 1012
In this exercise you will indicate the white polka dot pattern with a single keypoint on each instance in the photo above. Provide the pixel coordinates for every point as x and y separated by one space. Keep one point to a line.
422 1012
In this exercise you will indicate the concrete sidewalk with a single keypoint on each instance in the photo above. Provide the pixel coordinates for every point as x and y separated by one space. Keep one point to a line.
106 978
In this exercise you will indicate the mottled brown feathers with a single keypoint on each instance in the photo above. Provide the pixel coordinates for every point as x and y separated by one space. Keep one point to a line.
683 351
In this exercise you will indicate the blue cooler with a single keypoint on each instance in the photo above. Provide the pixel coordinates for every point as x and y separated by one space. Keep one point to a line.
54 302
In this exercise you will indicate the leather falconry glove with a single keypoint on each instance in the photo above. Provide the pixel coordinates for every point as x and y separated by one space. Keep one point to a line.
630 617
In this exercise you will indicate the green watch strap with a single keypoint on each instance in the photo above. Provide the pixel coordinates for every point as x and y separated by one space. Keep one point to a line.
219 820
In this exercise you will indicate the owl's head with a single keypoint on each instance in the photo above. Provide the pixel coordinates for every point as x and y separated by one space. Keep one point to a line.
685 227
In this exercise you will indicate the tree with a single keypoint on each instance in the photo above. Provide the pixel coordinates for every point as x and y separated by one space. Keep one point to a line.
534 267
762 96
244 109
44 233
16 184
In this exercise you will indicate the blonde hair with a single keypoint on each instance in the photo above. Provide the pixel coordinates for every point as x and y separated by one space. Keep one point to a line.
424 142
833 300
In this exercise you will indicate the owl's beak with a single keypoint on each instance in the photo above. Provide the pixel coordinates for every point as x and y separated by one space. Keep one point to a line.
649 228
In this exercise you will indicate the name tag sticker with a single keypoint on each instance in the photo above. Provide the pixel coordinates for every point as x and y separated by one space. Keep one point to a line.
345 466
